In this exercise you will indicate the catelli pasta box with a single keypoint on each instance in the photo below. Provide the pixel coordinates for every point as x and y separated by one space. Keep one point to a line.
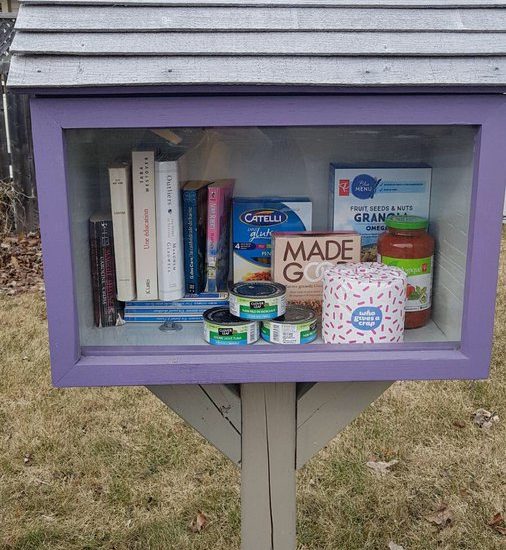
299 261
253 221
362 197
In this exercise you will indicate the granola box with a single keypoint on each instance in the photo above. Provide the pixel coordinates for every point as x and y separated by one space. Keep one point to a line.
299 261
363 196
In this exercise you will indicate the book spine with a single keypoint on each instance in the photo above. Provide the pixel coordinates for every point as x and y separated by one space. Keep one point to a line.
218 234
189 213
178 319
95 268
107 275
168 231
201 238
107 310
166 311
186 299
120 184
193 244
144 224
214 200
173 305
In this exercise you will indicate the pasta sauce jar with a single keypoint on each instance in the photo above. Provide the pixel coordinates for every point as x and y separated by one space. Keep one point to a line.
406 244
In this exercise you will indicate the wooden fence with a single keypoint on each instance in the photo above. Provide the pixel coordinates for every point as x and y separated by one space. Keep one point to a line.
15 109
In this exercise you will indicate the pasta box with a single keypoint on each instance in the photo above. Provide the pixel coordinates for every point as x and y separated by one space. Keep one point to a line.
253 221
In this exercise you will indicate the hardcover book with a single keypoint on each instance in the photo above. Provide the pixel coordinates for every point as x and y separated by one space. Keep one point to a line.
120 184
169 234
219 201
194 235
107 311
144 224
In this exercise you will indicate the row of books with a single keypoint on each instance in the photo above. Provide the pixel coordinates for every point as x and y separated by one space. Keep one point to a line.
156 224
162 240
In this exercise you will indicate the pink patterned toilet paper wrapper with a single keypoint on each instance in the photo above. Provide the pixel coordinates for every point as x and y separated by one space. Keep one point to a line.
363 303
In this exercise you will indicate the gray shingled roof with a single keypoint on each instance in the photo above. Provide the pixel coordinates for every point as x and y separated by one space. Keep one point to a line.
276 42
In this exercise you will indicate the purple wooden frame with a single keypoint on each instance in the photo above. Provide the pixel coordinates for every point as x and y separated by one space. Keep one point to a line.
76 366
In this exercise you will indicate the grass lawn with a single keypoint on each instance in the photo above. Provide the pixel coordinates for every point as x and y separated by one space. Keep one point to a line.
115 469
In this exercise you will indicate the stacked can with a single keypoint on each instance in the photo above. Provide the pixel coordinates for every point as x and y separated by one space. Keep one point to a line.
297 326
252 303
249 304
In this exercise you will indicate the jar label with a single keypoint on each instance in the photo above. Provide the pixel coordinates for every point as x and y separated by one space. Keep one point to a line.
419 272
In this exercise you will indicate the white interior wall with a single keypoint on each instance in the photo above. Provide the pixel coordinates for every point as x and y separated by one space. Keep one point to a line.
451 157
295 161
85 199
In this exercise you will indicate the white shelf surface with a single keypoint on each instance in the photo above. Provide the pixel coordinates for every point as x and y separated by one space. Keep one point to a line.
137 334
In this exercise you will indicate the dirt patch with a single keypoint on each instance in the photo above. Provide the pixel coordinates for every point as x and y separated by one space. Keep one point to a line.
20 264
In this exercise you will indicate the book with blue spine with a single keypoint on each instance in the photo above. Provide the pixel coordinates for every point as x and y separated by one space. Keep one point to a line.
163 319
175 311
188 300
194 235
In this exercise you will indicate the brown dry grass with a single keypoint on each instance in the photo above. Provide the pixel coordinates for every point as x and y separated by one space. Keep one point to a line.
114 469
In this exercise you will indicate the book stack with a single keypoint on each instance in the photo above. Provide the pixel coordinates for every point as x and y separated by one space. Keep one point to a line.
188 309
169 242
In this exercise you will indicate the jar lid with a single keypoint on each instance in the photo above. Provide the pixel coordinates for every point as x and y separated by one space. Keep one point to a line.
407 222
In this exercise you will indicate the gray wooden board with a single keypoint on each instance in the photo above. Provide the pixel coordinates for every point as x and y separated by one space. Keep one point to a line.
116 18
227 400
212 411
261 43
268 509
408 4
326 409
49 71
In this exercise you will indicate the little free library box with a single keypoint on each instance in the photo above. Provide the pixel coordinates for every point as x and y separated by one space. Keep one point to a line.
401 101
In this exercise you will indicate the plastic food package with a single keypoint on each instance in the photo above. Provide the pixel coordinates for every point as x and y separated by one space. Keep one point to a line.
363 303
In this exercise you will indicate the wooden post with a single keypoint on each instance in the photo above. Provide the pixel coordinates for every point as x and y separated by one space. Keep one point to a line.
268 510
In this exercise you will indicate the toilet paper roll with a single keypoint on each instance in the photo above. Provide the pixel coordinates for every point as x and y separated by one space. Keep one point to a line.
363 303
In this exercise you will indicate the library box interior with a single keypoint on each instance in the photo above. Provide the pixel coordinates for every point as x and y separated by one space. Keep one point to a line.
186 290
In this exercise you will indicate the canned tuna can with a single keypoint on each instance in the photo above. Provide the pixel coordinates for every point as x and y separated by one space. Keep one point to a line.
259 301
221 328
297 326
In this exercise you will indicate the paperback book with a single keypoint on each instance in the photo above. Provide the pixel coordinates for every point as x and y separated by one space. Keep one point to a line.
168 230
120 184
143 166
194 235
218 233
